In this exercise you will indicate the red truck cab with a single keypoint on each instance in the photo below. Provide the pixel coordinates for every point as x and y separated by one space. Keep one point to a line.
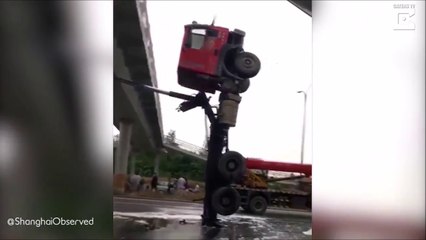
212 57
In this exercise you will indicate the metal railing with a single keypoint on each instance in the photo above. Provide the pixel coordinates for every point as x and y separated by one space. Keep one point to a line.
186 146
181 145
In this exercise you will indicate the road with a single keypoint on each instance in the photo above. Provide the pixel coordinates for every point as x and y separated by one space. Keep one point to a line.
155 219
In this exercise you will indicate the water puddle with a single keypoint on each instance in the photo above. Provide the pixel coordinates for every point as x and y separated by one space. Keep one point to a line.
133 224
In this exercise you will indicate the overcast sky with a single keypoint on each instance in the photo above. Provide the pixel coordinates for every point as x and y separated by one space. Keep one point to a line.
269 123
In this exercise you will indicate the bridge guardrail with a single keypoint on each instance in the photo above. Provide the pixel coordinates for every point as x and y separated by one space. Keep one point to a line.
186 146
180 144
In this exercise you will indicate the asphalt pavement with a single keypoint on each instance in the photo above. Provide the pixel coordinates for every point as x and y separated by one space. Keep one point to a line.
156 219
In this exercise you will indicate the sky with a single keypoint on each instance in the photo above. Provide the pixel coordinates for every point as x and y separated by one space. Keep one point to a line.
270 117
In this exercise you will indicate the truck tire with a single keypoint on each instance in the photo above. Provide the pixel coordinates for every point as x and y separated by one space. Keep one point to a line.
246 64
232 166
243 85
226 201
229 86
258 205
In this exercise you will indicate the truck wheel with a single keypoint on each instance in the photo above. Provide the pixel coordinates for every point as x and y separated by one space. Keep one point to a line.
243 85
232 166
247 64
226 201
228 85
258 205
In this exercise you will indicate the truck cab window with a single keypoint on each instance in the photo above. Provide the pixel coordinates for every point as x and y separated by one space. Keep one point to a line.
197 38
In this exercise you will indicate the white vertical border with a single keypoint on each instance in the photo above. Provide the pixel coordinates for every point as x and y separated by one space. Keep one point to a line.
368 112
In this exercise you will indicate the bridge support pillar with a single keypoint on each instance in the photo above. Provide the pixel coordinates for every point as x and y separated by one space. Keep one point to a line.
132 163
122 156
158 157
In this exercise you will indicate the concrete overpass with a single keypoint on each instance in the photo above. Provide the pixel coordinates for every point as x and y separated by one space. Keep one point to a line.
180 146
136 114
304 5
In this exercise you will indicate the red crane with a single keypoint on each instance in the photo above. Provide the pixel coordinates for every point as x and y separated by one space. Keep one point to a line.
255 163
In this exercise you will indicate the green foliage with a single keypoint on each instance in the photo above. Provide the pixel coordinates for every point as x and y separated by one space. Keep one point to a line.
144 163
171 137
171 165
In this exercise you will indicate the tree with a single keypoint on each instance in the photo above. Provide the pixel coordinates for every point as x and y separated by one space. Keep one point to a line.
171 165
171 137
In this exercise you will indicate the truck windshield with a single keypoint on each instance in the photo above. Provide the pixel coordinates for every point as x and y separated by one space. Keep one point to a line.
198 37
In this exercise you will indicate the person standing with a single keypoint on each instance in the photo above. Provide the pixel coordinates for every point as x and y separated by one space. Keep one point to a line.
134 182
141 184
186 184
154 182
181 183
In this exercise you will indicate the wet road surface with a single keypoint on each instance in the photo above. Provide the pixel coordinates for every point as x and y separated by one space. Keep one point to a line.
155 219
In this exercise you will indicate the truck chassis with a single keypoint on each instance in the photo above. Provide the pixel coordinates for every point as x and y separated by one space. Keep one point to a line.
256 201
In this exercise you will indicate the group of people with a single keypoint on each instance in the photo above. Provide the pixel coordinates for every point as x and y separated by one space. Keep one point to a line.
181 184
136 183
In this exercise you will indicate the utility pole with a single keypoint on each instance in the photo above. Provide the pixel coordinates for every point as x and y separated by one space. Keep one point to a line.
206 125
303 127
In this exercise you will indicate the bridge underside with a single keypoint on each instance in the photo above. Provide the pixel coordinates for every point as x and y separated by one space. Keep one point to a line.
138 113
304 5
133 60
177 149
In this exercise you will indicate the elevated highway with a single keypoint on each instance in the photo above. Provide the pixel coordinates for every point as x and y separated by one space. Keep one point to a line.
137 114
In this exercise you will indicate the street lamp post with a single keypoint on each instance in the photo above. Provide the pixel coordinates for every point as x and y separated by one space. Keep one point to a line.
206 126
303 127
